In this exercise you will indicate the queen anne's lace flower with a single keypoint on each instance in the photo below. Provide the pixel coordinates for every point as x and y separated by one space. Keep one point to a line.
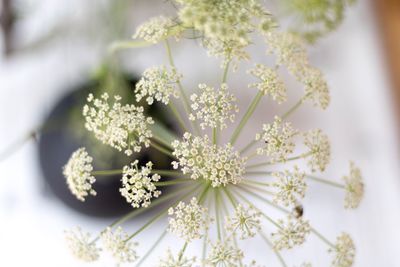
316 87
246 220
201 159
319 149
278 139
290 186
179 261
138 185
270 83
117 244
344 251
123 127
188 221
291 233
155 30
81 246
289 50
354 187
157 84
213 107
77 171
224 254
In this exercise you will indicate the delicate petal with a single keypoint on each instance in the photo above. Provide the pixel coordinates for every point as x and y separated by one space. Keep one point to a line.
138 185
77 171
81 246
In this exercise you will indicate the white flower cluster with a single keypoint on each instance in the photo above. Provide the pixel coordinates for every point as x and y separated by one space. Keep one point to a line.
119 246
290 52
138 185
224 254
225 25
188 221
291 233
81 246
123 127
155 30
246 220
278 139
77 171
344 251
290 186
319 149
213 107
354 187
179 261
157 84
201 159
316 87
270 83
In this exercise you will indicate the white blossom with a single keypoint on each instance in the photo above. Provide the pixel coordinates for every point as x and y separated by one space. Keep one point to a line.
201 159
319 154
354 187
316 88
157 84
278 140
124 127
224 254
77 171
117 243
213 107
138 184
245 220
188 221
344 251
269 82
176 261
290 186
155 30
290 233
81 246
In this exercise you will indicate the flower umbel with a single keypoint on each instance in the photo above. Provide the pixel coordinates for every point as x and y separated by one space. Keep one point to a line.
213 107
245 220
81 246
77 171
201 159
224 254
138 184
123 127
291 233
354 187
344 251
179 261
157 83
117 244
319 149
290 186
188 221
156 29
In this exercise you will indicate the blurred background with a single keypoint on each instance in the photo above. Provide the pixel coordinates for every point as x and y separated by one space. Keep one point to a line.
52 48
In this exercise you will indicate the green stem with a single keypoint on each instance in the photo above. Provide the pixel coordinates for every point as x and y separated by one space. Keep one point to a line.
161 149
279 161
324 239
167 172
177 116
248 146
186 104
226 69
15 146
215 135
324 181
278 255
167 183
182 252
106 172
256 188
260 173
247 181
152 248
292 109
246 117
217 214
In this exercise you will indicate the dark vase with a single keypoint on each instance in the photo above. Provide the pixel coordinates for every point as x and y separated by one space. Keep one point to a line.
64 132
